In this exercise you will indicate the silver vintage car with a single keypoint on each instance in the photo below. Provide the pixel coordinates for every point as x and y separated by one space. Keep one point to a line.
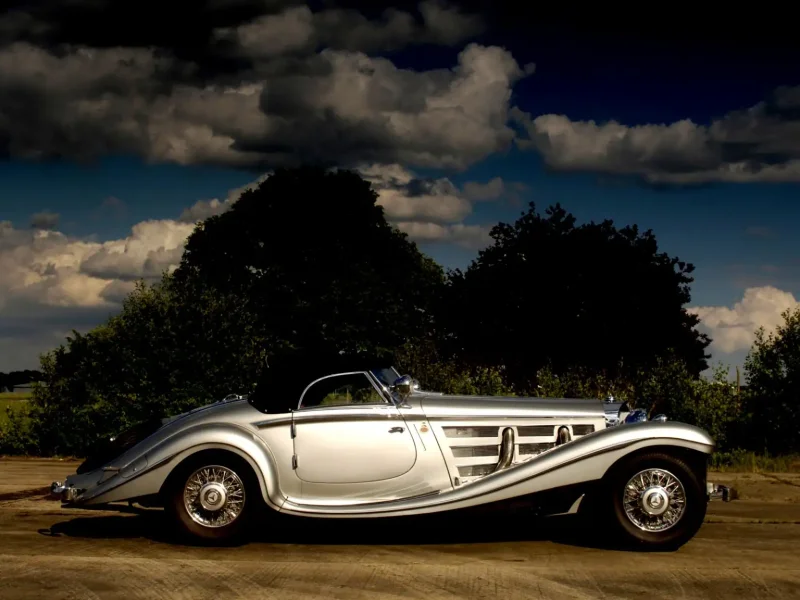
340 437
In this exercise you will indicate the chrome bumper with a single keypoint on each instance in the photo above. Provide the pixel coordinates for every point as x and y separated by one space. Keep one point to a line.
66 493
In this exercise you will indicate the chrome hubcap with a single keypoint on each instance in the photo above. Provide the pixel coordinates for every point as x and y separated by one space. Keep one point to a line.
214 496
654 500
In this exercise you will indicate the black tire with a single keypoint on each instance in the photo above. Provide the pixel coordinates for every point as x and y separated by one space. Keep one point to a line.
215 530
635 536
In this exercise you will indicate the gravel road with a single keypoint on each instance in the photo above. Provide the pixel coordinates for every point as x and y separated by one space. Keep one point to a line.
747 549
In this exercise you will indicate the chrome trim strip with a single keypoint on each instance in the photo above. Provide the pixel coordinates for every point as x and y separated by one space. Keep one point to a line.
305 417
273 422
525 417
337 418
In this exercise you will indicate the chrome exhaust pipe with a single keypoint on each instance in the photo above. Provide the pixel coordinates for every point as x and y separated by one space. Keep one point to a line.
506 450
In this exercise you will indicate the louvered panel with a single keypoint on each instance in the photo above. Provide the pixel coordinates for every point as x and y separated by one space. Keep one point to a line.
472 451
537 431
472 442
476 460
471 432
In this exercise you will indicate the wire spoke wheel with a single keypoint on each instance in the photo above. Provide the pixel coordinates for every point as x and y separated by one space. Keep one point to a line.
214 496
654 500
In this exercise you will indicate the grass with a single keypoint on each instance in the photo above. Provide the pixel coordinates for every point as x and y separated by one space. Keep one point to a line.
741 461
13 401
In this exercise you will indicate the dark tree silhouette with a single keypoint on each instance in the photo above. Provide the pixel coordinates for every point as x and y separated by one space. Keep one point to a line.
9 381
319 265
548 291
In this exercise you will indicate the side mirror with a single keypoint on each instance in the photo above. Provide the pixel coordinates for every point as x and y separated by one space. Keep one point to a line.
403 386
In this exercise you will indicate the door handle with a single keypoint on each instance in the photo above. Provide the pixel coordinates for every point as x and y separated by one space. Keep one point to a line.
396 430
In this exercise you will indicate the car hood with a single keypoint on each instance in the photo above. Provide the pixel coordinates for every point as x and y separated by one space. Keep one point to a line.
496 406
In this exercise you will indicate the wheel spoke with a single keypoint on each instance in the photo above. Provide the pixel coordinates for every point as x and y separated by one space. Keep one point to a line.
654 500
214 496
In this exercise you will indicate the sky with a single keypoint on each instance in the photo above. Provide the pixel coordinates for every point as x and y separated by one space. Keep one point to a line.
124 123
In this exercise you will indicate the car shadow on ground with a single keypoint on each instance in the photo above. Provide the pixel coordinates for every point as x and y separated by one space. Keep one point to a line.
438 529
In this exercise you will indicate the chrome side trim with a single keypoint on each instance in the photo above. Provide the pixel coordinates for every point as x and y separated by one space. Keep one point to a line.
514 418
273 422
336 418
309 417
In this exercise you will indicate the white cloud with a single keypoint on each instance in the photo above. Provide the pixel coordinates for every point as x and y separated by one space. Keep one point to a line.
152 248
49 268
53 283
405 197
475 237
759 144
733 328
202 209
428 210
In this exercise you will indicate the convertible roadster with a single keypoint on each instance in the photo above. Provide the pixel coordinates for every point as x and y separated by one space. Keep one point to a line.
350 438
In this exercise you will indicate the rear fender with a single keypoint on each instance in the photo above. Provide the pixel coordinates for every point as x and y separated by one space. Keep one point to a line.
147 474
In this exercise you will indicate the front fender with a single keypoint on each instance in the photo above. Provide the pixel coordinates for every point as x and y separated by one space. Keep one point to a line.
151 462
584 460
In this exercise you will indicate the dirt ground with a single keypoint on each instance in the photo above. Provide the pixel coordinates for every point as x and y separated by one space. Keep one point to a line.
748 548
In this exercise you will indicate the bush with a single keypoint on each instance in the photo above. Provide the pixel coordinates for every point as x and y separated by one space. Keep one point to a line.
740 460
711 403
16 432
422 360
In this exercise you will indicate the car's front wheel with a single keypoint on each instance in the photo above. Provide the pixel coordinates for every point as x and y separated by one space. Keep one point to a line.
656 501
212 497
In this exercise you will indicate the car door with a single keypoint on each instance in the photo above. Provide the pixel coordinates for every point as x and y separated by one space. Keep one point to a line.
346 431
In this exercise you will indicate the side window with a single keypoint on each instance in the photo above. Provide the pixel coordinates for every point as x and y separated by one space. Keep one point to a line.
340 390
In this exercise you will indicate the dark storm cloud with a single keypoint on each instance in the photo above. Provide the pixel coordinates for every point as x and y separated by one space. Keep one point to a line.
45 220
247 84
255 84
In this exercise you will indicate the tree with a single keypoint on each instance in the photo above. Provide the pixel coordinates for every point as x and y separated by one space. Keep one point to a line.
318 265
548 292
9 381
306 261
163 354
424 361
714 405
772 374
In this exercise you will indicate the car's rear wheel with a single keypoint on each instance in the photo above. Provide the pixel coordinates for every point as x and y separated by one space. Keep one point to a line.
656 501
212 497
